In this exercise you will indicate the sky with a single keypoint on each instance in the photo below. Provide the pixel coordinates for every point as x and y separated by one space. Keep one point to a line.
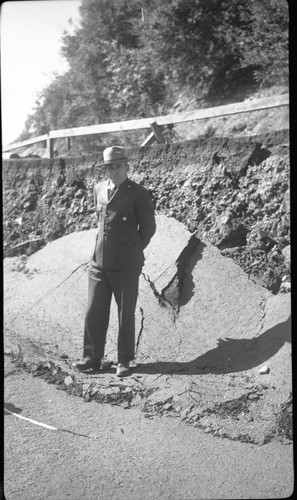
31 34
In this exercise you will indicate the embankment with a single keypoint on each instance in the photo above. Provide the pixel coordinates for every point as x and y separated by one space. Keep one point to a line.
233 193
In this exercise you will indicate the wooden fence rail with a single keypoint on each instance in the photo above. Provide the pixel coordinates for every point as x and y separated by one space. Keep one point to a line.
154 123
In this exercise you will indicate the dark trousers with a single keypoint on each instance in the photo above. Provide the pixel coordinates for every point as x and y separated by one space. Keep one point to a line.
124 286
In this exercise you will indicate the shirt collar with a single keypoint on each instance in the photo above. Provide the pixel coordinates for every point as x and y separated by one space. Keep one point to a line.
110 185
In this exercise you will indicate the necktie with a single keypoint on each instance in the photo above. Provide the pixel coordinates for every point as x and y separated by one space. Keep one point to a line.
111 191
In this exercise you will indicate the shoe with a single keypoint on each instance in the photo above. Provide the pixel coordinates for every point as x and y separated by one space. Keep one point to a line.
88 363
123 369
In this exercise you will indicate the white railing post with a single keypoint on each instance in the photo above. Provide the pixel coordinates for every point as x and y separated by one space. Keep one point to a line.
49 146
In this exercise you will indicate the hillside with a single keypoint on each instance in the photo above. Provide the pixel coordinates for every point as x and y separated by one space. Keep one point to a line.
234 192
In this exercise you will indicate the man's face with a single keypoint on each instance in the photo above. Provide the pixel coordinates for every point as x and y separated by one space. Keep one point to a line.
117 172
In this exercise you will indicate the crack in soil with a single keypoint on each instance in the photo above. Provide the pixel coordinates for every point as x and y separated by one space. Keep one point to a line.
161 299
84 264
48 292
173 291
170 296
140 330
235 412
263 309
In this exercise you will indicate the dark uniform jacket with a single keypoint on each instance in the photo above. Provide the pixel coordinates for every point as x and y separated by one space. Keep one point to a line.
126 223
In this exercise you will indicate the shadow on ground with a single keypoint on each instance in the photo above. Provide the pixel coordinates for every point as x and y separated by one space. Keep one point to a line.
188 287
11 408
230 355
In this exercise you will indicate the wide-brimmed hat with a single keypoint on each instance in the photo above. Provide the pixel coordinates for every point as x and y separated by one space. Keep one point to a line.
114 154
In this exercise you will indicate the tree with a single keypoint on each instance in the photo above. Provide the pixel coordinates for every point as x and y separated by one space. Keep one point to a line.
267 45
212 46
106 26
123 67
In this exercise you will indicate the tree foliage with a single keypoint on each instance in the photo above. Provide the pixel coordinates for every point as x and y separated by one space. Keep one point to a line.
122 66
267 44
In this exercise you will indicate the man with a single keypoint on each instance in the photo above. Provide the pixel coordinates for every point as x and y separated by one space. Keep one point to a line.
126 223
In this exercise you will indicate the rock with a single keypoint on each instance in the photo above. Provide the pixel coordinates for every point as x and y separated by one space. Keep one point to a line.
285 287
29 204
287 253
46 365
207 429
125 405
228 232
264 370
137 401
128 390
79 193
68 381
286 201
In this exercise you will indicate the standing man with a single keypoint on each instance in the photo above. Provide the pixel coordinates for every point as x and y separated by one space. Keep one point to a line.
126 224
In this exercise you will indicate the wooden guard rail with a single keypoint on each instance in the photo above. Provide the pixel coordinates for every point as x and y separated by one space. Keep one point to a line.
155 124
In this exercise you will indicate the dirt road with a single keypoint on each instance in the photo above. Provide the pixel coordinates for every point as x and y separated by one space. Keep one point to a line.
110 452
